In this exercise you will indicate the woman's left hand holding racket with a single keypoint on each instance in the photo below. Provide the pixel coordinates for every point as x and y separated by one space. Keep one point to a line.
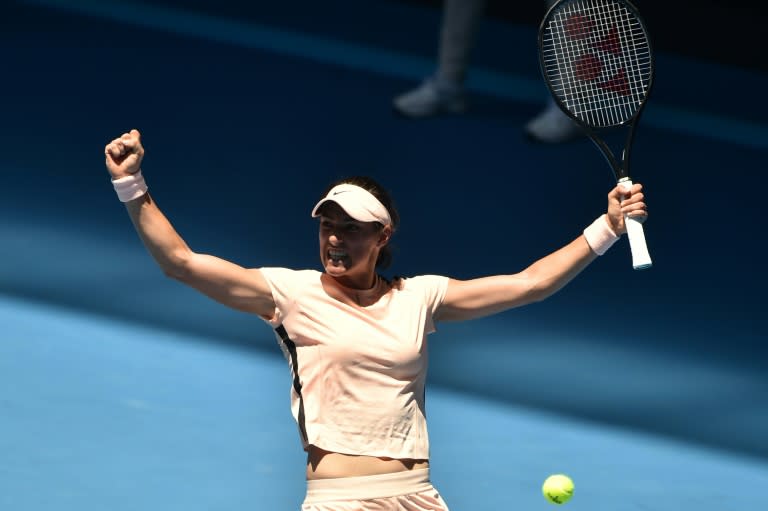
629 202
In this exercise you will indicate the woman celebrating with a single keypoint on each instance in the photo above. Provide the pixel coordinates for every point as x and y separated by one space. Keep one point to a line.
355 341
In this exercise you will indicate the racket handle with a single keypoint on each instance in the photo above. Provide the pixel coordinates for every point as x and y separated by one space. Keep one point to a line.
641 259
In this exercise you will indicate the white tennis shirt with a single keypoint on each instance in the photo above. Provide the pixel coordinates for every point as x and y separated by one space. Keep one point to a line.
358 372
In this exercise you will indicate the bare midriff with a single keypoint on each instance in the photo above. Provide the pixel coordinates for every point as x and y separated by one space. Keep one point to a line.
323 464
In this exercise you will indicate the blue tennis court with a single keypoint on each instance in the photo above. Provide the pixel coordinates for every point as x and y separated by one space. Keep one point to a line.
106 413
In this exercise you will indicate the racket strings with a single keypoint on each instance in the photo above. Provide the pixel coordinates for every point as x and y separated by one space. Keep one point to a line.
597 58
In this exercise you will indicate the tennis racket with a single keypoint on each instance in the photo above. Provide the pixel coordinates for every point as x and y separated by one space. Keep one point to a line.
597 62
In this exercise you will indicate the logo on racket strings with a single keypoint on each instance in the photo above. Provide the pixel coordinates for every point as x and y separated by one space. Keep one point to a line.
589 65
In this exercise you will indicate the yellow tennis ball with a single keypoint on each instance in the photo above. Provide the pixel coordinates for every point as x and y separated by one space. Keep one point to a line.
558 488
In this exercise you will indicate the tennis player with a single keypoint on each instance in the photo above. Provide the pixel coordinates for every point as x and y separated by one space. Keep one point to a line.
355 341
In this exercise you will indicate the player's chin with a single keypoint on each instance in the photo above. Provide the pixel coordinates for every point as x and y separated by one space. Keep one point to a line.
335 266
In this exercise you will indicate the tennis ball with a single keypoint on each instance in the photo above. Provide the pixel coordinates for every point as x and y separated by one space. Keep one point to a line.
558 488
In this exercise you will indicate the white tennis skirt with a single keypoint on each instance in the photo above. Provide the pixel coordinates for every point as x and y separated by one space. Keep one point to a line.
409 490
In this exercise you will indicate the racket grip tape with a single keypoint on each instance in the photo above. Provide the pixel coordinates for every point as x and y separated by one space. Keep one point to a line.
641 259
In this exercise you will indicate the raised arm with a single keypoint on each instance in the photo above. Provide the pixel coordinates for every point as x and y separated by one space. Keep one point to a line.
469 299
226 282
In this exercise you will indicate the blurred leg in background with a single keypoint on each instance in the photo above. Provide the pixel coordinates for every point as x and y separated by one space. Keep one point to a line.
443 92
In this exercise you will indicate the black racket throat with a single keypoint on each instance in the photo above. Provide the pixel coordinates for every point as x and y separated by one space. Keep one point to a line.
620 162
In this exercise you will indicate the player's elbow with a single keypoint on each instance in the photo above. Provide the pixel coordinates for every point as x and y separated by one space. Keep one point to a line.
177 266
546 288
537 294
539 289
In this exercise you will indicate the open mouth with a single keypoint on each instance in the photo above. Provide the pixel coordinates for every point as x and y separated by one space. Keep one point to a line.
337 256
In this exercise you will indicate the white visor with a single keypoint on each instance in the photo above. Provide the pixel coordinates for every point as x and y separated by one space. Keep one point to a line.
357 202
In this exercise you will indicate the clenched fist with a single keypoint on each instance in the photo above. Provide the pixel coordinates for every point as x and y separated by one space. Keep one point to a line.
124 154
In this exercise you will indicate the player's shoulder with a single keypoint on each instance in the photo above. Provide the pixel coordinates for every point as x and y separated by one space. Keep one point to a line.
429 289
420 282
290 275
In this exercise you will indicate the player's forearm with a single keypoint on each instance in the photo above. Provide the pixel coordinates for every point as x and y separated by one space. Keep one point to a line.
484 296
162 241
551 273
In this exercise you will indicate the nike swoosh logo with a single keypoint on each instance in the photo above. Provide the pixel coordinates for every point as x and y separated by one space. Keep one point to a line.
341 191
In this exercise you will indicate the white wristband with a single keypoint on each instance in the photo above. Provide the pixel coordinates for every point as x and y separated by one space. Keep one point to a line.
130 187
600 236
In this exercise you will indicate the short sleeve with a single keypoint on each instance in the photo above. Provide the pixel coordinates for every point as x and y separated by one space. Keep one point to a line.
283 283
435 288
432 290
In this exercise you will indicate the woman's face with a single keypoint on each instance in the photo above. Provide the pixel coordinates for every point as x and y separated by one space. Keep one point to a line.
349 248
